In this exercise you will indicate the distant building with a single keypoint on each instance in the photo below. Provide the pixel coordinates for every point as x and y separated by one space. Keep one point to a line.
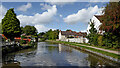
72 36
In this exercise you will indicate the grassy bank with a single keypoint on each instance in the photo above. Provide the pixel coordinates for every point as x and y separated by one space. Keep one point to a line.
92 49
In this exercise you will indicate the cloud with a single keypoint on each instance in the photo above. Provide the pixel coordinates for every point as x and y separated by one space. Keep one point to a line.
60 2
24 7
3 11
42 28
37 19
60 15
83 15
83 30
45 6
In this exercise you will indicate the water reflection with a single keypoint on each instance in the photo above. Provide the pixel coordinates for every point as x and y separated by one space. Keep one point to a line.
47 54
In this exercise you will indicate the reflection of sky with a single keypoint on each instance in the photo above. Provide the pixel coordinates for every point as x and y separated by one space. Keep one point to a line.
45 57
67 56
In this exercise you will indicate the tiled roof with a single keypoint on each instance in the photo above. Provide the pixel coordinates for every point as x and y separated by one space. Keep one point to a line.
66 33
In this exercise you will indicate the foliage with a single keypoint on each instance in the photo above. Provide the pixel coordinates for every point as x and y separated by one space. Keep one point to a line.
92 36
100 42
51 35
23 42
111 17
11 25
29 30
111 25
0 27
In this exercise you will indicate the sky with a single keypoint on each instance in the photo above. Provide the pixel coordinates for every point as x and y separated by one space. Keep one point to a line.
54 15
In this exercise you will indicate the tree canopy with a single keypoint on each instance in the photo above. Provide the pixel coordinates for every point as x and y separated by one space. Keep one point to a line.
29 30
111 25
11 25
51 35
111 18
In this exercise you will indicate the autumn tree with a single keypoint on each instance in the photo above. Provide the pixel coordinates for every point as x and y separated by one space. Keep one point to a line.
11 25
111 24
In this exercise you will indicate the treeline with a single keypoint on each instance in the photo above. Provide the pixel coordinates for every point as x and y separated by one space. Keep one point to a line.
49 35
110 27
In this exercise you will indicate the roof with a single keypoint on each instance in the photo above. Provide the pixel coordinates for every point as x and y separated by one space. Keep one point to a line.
3 36
66 33
99 17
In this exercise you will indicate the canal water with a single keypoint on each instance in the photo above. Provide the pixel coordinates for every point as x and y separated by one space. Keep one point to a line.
49 54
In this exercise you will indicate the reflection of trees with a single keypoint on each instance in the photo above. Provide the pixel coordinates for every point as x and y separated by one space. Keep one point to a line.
66 49
9 61
96 61
52 48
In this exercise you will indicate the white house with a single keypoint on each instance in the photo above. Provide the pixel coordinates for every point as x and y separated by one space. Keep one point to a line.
72 36
97 22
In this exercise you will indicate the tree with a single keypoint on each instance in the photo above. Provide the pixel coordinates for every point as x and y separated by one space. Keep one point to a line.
111 18
22 29
11 25
51 35
92 36
29 30
0 27
111 25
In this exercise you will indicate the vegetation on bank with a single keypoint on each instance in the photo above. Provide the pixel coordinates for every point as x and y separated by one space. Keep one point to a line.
110 27
92 49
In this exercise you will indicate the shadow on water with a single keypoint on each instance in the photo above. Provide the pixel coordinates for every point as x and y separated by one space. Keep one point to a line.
47 54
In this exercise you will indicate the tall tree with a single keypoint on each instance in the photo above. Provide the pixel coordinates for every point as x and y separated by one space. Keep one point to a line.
111 18
92 36
11 25
111 24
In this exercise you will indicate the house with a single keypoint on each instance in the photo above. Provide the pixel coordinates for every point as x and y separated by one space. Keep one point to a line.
72 36
97 22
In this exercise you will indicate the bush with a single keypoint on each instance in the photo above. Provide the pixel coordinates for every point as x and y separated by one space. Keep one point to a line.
23 42
100 41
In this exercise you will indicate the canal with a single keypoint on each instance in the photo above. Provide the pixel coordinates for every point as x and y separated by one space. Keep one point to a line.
49 54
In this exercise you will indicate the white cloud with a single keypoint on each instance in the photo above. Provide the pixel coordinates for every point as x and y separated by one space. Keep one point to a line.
45 6
3 11
83 30
42 28
24 7
60 15
83 15
60 2
37 19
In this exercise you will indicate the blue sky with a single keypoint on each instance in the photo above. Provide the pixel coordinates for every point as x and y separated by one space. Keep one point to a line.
45 16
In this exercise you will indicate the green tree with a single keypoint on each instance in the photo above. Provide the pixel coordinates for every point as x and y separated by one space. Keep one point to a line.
92 36
11 25
29 30
51 35
0 28
22 29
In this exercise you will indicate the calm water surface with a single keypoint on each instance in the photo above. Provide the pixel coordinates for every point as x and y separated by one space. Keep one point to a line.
47 54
